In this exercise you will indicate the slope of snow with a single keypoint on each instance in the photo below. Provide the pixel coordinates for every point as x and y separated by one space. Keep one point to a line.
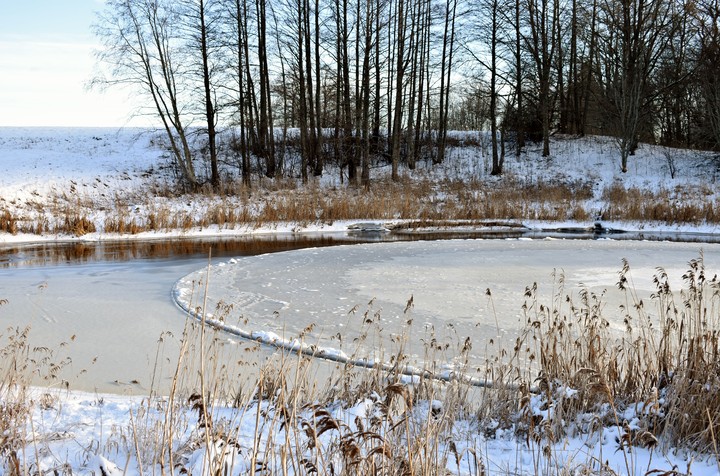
44 169
40 163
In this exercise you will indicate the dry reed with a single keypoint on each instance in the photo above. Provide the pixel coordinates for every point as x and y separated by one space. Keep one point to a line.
422 197
568 373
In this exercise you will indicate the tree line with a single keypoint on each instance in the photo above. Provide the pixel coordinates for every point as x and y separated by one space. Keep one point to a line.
356 82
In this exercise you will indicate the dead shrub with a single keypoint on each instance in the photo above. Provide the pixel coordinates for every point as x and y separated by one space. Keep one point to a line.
8 222
75 224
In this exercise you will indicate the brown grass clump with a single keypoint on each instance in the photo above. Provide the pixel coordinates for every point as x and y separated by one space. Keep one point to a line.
122 226
678 206
22 365
664 366
77 225
14 406
688 362
8 223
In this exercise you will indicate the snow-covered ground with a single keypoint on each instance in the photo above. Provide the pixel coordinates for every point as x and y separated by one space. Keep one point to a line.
95 434
99 171
98 433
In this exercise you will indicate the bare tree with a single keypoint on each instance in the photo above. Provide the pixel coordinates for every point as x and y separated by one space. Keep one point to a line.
496 163
543 19
319 159
238 15
201 35
708 71
399 79
266 135
448 47
587 72
344 107
414 64
377 101
518 78
635 34
673 83
370 36
483 44
141 49
422 77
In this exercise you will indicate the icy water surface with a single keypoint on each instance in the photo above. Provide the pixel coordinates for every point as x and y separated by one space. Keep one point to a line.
375 300
107 305
112 313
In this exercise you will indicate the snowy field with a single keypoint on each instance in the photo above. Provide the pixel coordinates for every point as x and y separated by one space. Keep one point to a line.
73 432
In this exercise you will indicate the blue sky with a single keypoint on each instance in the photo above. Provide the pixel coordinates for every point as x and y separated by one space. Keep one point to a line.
46 61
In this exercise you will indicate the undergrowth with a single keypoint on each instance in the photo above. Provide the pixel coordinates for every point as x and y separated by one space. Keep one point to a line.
410 199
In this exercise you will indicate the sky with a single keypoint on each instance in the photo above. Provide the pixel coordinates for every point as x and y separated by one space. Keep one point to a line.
46 63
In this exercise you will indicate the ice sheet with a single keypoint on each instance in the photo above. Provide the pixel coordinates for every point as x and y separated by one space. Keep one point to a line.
458 289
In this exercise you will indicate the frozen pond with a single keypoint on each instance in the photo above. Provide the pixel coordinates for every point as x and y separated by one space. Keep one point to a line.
457 289
112 314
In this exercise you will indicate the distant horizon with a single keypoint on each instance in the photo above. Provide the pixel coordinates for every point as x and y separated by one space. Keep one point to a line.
12 126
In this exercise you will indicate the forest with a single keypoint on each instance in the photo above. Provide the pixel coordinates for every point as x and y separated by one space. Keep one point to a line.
353 83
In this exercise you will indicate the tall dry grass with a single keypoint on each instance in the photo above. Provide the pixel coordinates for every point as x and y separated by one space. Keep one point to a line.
662 369
693 205
569 373
22 365
422 197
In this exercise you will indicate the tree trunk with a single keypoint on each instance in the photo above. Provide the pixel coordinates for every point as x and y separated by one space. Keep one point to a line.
399 77
304 139
241 41
496 167
209 104
376 102
520 144
266 133
319 156
365 157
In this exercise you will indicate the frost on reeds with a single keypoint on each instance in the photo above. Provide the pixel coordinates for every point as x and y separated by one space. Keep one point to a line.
643 379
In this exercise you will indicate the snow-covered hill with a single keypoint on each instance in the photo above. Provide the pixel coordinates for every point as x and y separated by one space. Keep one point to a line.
98 174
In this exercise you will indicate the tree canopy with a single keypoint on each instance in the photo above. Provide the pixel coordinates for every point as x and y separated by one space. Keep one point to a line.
385 80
